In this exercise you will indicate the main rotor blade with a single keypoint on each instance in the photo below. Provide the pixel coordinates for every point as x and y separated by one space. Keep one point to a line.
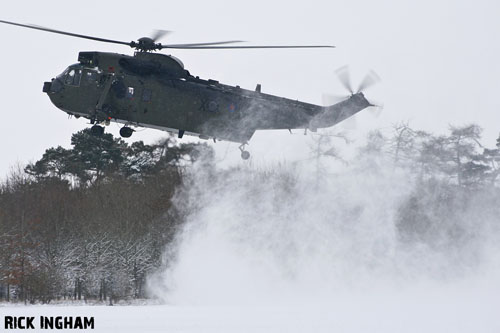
159 34
105 40
246 47
171 46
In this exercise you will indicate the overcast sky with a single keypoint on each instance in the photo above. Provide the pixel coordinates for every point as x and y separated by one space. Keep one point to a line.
439 61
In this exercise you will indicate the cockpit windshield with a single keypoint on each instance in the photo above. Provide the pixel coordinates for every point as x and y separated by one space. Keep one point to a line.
71 76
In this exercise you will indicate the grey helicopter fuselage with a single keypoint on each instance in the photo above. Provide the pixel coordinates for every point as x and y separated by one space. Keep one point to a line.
154 90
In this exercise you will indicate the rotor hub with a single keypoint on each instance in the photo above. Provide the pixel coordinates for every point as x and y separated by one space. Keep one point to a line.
145 44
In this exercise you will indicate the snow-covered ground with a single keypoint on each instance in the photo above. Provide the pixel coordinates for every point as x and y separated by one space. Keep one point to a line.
447 310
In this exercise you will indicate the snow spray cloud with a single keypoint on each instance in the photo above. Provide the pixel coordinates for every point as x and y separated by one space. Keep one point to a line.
300 234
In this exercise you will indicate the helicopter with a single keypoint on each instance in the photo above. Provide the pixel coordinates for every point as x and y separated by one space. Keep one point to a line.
154 90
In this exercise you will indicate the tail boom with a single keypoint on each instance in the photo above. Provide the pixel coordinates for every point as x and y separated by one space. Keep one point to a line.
329 116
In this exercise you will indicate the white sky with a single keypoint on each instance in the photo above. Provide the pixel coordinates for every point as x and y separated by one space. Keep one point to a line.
439 61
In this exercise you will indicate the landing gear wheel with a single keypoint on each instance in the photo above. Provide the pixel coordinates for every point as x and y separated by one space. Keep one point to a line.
97 130
245 155
126 132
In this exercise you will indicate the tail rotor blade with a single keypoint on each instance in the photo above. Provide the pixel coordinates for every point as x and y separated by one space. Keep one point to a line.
345 78
376 109
377 112
370 79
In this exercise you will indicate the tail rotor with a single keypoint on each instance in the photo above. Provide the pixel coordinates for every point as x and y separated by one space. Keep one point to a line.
344 76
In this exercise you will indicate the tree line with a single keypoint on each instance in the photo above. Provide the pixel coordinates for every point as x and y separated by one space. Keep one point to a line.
92 221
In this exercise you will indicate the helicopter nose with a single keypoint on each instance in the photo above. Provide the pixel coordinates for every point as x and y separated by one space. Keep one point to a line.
46 87
53 86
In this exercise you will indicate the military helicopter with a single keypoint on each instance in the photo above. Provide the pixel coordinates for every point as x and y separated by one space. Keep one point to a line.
155 90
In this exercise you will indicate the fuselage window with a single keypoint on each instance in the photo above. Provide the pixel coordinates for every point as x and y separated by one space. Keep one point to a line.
73 77
146 95
130 92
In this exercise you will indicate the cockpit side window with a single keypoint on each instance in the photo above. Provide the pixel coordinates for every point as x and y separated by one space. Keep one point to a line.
90 76
73 77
